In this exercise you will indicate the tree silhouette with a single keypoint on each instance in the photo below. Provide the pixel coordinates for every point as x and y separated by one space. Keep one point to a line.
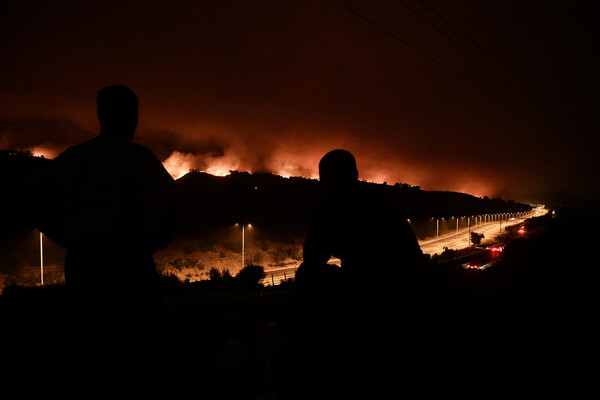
250 276
214 274
476 238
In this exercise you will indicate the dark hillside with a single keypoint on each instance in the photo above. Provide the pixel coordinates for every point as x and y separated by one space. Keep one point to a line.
283 206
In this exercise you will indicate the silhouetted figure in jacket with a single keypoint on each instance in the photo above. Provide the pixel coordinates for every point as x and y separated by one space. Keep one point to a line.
363 309
112 204
357 225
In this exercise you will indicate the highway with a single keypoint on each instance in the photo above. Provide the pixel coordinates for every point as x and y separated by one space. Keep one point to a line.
460 240
482 259
452 240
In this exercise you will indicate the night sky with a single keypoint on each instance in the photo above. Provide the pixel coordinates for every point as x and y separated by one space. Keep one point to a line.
271 86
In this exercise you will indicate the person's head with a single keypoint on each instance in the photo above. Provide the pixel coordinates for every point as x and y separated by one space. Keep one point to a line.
117 111
337 169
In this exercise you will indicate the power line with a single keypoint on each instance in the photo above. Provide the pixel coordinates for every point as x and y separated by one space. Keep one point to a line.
439 63
457 44
504 67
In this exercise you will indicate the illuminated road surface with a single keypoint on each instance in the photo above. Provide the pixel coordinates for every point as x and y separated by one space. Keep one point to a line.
460 240
451 240
276 275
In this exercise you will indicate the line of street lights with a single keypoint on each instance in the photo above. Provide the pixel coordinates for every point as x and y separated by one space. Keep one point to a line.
493 217
479 219
485 218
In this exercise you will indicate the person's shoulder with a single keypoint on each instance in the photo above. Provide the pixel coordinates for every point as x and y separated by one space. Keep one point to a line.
150 161
143 151
78 150
379 201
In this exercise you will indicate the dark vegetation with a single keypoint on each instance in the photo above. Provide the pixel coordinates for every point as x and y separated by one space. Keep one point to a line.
525 325
476 238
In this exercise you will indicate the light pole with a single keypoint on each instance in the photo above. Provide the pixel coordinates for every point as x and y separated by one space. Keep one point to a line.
42 258
243 256
243 242
469 229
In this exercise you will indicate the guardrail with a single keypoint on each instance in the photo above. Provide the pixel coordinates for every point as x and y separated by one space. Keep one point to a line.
276 278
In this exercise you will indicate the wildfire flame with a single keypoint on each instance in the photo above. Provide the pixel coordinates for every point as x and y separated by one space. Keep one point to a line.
178 164
303 164
45 152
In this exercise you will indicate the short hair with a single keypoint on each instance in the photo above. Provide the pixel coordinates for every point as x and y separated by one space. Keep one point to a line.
338 166
117 105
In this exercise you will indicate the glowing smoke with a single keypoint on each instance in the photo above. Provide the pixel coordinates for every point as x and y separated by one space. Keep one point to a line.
179 163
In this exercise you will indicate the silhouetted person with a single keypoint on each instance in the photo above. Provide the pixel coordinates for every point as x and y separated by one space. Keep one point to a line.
112 204
357 225
364 307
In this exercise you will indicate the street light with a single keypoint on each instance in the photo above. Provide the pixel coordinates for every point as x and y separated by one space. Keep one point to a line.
42 258
243 244
437 234
469 229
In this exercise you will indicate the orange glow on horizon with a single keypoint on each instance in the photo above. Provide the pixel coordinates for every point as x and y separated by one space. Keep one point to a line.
178 164
305 165
220 168
45 152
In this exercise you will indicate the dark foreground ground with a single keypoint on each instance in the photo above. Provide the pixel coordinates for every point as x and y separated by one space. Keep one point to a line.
522 327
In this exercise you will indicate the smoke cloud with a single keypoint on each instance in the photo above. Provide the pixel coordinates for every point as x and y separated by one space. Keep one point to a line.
273 86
